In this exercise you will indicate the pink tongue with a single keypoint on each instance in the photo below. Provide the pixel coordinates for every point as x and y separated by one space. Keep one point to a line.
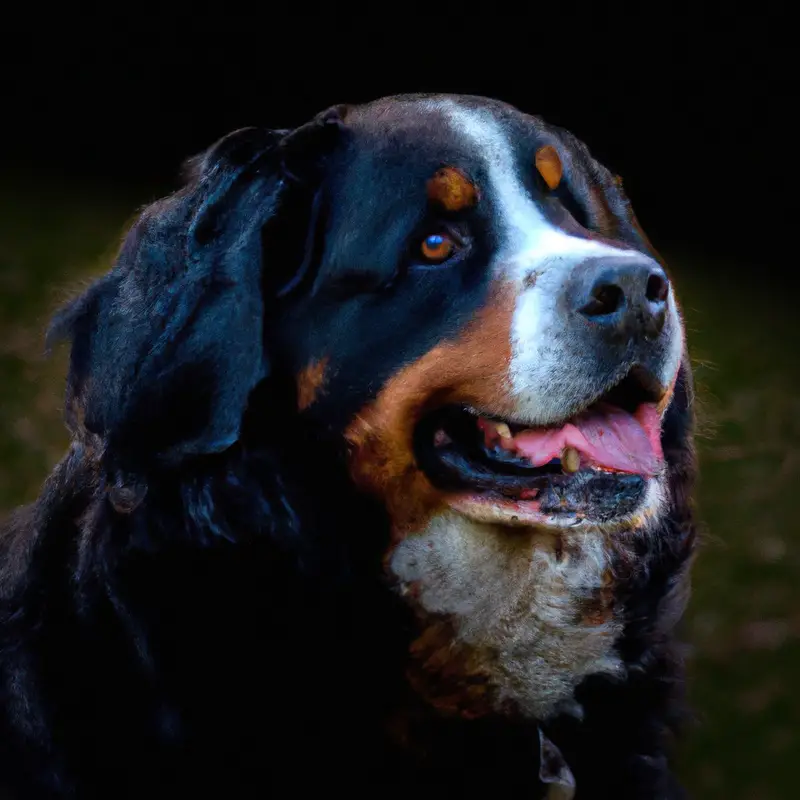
605 436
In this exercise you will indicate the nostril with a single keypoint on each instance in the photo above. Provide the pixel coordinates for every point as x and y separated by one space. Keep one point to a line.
657 288
606 299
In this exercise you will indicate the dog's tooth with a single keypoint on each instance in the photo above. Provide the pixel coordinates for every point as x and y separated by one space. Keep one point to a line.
570 459
503 430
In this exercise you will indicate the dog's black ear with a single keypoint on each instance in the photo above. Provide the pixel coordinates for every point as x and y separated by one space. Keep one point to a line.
167 347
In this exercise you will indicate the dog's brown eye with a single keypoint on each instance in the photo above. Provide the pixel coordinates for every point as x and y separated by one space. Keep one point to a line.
548 162
437 247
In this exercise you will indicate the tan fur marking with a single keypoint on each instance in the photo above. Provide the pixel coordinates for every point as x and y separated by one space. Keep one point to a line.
548 162
471 369
452 189
310 382
664 402
599 610
449 676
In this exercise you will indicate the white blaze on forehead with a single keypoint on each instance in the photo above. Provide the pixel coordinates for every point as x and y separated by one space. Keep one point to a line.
531 240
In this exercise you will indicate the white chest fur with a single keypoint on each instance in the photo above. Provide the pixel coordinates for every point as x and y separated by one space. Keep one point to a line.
529 612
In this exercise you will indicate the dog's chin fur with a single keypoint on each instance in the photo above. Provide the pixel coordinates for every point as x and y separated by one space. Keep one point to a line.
208 598
529 611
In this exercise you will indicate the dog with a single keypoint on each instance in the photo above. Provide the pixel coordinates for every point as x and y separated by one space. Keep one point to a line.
380 480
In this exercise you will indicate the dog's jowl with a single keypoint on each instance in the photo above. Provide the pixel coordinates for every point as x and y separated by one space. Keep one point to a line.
379 480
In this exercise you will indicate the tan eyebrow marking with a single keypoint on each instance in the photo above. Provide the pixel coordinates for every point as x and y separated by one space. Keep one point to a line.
452 189
548 162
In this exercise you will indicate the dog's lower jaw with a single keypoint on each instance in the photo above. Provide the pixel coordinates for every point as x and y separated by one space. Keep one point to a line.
505 512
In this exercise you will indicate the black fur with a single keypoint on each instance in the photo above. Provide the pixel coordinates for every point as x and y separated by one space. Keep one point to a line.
195 603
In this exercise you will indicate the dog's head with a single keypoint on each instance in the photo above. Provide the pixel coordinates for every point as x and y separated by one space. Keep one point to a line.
461 297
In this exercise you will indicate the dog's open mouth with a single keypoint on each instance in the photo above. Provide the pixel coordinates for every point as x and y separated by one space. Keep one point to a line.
595 465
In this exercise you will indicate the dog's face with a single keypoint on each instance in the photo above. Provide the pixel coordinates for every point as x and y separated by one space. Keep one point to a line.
489 330
485 343
471 311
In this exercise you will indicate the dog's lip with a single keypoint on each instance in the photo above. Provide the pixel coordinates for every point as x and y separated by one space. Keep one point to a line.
511 512
556 476
488 482
618 430
526 514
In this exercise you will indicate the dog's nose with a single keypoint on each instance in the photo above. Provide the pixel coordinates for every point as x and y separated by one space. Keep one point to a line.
624 298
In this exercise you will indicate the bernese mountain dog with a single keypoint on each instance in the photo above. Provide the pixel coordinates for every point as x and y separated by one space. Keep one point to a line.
380 481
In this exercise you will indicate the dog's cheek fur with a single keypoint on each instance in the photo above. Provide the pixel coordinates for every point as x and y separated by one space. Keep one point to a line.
471 368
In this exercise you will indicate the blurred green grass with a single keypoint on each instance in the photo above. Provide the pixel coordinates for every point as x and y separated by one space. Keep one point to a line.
744 620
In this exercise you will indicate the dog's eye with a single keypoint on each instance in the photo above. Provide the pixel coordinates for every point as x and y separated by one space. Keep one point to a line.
437 247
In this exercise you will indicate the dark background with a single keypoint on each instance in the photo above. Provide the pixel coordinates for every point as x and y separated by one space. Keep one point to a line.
692 105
